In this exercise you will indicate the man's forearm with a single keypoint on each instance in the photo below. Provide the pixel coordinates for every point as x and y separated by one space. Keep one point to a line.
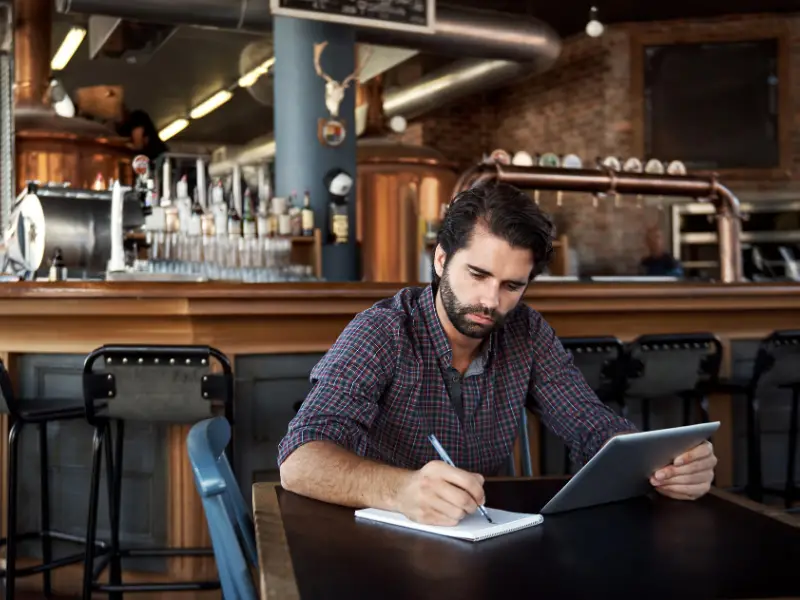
327 472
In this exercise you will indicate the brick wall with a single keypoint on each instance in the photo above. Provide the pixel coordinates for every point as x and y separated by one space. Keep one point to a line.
583 105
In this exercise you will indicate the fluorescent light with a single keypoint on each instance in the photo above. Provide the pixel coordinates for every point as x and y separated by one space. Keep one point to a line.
173 129
250 78
68 47
212 103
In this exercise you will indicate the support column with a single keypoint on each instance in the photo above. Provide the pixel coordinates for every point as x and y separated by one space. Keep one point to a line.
301 161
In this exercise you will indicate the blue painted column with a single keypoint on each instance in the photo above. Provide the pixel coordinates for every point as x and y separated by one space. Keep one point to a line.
301 160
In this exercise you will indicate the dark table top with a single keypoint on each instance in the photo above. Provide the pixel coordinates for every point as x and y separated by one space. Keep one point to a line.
720 546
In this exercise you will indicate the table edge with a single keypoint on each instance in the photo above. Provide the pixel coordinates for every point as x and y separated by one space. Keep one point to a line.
276 571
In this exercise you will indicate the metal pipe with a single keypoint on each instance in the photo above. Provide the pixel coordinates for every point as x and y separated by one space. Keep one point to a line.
610 182
7 129
458 31
32 32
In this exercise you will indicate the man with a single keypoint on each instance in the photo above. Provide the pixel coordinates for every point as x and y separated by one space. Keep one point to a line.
659 262
459 358
143 133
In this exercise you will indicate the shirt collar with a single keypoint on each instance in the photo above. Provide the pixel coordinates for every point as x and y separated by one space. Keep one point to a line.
441 345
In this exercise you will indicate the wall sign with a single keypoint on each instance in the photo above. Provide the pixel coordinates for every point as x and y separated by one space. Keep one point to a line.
399 15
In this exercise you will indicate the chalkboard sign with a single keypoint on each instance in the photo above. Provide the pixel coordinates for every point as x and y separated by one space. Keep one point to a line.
713 105
399 15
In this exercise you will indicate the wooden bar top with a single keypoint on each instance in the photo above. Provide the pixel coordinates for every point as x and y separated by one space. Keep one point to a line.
299 298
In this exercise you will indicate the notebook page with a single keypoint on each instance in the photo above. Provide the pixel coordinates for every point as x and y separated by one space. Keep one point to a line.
473 527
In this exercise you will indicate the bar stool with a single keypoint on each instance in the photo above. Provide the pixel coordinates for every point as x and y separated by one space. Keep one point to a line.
665 366
777 366
166 384
22 413
597 358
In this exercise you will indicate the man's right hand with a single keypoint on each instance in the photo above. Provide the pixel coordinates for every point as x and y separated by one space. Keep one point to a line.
439 494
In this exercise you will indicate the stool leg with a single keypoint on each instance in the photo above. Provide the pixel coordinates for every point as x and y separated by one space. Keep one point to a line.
755 488
527 467
790 463
542 449
11 508
115 475
91 529
44 474
688 404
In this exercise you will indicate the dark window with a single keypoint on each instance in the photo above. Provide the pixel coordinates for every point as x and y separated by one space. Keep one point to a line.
713 105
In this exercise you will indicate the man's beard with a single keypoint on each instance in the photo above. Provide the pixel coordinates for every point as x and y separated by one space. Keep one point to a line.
458 313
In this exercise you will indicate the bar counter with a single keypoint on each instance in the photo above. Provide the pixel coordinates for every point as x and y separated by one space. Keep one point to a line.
273 334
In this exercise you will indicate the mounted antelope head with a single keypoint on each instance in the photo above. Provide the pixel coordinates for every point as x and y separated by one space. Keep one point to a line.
334 90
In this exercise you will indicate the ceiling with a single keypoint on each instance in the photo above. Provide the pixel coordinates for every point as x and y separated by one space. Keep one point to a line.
194 63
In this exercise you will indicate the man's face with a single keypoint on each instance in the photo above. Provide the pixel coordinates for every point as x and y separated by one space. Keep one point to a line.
655 241
482 282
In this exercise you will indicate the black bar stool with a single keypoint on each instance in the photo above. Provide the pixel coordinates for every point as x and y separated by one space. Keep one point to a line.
777 366
665 366
597 358
40 413
166 384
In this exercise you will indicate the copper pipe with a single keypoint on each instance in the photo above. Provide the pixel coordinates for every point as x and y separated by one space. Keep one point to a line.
706 189
32 32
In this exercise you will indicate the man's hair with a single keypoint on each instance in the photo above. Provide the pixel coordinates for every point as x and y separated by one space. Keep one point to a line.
507 212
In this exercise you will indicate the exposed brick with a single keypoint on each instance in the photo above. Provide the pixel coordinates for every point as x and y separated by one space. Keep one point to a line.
583 106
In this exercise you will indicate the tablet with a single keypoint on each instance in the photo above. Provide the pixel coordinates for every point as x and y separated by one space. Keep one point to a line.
623 467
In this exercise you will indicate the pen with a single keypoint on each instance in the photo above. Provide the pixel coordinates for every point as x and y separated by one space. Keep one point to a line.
444 456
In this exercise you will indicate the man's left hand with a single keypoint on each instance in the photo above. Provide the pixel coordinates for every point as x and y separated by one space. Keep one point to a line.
689 476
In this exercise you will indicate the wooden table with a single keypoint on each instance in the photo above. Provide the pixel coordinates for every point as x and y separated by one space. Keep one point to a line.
720 546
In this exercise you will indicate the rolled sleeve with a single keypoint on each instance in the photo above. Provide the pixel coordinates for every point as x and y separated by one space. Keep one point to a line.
347 385
566 404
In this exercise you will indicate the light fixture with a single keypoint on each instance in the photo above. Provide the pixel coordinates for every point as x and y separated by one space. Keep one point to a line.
68 47
213 103
594 28
251 77
173 129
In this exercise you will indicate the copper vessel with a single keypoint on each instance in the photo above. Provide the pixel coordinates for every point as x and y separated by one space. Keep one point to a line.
51 148
401 189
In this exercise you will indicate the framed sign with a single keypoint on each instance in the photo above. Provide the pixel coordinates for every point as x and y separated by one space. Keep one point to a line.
399 15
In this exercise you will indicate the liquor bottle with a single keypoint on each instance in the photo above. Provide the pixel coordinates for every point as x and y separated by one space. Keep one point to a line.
249 224
295 222
234 221
307 215
339 224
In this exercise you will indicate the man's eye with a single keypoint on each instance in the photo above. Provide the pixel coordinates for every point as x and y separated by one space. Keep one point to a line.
477 275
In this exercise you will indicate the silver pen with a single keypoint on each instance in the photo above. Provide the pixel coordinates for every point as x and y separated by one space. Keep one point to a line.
446 458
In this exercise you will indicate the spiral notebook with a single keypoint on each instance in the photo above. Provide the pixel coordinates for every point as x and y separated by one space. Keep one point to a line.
473 527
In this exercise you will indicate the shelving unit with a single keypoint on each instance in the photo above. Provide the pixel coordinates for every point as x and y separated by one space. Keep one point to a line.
766 225
307 250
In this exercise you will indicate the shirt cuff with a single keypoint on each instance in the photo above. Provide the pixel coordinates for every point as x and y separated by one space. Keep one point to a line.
330 432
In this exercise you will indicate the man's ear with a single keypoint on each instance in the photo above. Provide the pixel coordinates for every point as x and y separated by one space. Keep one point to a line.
439 258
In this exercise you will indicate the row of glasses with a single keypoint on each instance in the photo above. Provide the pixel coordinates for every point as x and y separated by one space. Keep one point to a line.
230 258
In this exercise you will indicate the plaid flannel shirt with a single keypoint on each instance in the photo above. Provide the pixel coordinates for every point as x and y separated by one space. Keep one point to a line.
380 391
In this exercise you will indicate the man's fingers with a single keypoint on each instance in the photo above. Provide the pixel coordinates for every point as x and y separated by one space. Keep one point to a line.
457 497
683 491
690 478
469 482
700 451
444 512
668 473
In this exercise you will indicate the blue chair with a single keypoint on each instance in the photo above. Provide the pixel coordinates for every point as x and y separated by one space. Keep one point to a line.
229 521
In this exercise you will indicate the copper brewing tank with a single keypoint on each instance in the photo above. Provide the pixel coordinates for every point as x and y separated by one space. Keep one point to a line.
401 189
51 148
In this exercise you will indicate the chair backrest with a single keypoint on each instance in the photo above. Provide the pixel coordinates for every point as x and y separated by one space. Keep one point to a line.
172 384
229 521
8 401
778 360
660 366
597 358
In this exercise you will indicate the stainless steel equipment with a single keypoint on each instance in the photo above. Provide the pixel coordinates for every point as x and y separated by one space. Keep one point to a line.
76 221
